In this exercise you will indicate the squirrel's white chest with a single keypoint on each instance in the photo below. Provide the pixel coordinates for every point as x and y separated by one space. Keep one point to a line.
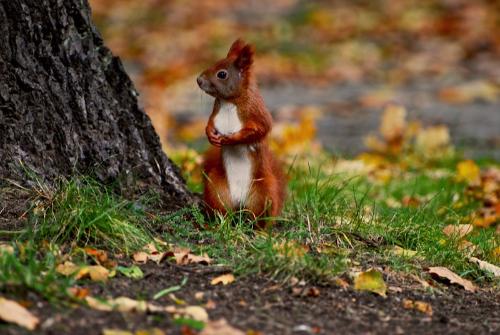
227 120
236 158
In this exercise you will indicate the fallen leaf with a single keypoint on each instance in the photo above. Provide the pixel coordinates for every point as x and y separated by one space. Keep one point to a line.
420 306
12 312
483 265
432 140
452 277
469 92
7 248
116 332
220 327
140 257
133 271
183 256
393 123
341 282
78 292
468 171
70 269
458 231
398 251
153 331
210 304
122 304
311 292
424 283
98 273
193 312
223 279
372 281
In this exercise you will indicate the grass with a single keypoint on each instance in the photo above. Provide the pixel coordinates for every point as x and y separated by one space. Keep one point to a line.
83 212
331 223
28 269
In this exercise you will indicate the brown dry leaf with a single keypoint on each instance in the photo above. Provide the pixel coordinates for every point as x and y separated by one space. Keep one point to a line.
483 265
210 304
6 247
12 312
225 279
150 253
98 304
193 312
446 273
122 304
220 327
341 282
469 92
371 280
183 256
311 292
420 306
458 231
140 257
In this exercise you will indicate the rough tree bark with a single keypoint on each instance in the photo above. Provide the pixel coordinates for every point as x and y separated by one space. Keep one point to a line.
66 104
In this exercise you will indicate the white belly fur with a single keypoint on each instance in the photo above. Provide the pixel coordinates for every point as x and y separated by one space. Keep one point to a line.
236 158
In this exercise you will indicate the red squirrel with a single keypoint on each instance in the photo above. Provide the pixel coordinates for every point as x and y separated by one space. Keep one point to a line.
240 170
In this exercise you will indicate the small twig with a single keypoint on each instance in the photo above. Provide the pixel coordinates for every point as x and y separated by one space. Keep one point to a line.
204 271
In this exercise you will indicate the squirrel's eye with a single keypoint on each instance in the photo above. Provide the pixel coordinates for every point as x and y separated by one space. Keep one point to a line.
222 74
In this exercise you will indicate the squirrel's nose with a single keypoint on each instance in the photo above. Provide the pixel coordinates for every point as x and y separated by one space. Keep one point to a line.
199 80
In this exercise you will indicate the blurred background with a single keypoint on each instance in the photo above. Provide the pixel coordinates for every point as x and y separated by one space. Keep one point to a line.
327 69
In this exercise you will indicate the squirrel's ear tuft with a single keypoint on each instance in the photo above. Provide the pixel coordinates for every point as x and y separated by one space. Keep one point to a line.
245 57
236 48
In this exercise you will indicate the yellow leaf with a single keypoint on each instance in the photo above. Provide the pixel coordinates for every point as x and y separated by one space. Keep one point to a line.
116 332
393 123
418 305
70 269
372 281
397 250
11 311
98 273
431 141
468 171
224 279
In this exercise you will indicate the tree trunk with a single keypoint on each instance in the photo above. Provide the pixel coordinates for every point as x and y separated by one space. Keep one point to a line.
67 106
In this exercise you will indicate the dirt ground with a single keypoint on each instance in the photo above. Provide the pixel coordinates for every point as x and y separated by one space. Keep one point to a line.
267 307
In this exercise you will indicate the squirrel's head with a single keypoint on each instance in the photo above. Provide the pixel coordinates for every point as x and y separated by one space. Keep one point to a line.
230 76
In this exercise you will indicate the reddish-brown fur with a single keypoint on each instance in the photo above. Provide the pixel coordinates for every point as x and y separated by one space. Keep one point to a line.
267 191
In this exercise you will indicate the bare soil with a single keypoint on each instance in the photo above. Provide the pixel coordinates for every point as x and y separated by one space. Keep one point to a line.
254 303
